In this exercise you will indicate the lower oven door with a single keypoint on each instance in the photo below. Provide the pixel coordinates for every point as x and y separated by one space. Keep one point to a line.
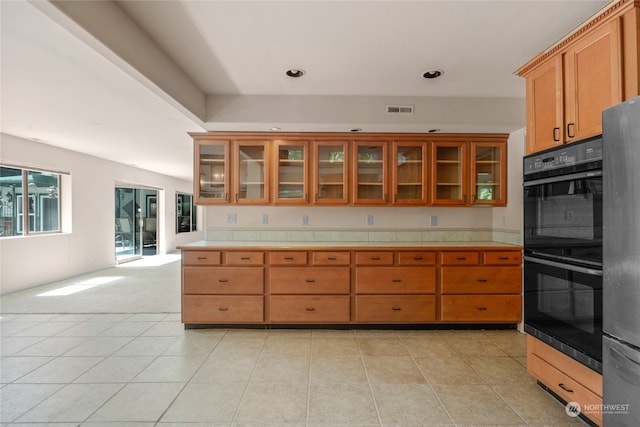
563 307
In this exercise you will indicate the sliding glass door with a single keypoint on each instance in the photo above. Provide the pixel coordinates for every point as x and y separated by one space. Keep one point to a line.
136 222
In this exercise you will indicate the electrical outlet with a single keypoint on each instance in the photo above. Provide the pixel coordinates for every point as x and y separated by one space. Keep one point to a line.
305 220
433 220
369 219
231 218
264 218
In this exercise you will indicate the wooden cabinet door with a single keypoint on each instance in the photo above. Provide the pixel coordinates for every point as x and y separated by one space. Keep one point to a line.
211 172
330 173
291 176
449 173
593 72
488 173
408 173
545 106
251 172
370 173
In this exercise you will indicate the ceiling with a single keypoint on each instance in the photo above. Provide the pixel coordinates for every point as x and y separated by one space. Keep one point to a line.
127 80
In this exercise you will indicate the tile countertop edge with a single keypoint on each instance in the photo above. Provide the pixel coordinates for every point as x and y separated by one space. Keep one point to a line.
265 245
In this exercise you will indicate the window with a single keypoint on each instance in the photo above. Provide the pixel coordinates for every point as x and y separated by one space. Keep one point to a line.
186 213
29 202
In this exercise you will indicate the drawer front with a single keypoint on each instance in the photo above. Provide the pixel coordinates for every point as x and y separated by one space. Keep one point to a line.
395 280
416 258
244 258
330 258
481 280
395 309
200 258
565 386
310 280
481 308
309 309
460 258
222 309
503 257
288 258
374 258
222 280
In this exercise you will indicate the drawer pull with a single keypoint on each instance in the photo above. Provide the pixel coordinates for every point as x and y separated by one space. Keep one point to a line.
565 388
310 281
396 308
481 308
418 258
223 280
201 257
245 258
332 258
482 280
396 280
288 258
310 309
223 308
375 258
503 258
461 258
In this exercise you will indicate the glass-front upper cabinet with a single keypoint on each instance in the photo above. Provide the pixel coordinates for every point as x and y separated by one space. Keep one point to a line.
291 175
408 172
488 173
329 170
370 172
212 172
449 173
251 174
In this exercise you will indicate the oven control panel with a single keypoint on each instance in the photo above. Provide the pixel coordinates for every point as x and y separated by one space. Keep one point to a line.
565 156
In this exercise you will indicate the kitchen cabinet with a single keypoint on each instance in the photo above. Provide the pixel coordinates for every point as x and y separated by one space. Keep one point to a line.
409 173
291 172
449 174
251 172
370 172
330 172
488 173
211 171
568 86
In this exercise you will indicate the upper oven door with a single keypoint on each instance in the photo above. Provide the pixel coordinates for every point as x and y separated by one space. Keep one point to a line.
563 217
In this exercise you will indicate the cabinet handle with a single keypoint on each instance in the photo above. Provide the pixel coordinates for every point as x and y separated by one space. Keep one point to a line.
418 258
332 258
565 388
556 134
310 281
481 308
288 258
461 258
245 258
310 309
464 199
237 197
482 280
396 280
316 197
201 257
396 308
223 280
375 258
223 308
570 127
503 258
226 196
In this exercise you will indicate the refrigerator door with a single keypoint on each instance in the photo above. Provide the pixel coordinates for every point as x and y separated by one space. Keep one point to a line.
621 392
621 221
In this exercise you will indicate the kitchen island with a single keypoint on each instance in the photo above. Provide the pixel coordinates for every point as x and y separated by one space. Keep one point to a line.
350 283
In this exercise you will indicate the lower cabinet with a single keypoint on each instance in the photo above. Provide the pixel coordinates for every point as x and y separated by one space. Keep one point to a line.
395 308
310 308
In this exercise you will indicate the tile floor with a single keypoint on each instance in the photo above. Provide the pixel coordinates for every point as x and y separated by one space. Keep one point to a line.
145 369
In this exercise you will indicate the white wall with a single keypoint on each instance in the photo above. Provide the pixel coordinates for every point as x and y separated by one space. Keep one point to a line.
89 246
509 218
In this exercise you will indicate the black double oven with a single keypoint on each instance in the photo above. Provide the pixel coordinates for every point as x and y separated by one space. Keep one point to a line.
563 249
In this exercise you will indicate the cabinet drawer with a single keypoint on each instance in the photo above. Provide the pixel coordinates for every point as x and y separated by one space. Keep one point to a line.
460 258
505 257
288 258
481 280
244 258
330 258
481 308
374 258
565 386
222 309
310 280
396 280
395 309
201 258
223 280
310 309
416 258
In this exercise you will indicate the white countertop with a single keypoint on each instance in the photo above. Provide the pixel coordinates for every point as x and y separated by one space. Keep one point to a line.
325 245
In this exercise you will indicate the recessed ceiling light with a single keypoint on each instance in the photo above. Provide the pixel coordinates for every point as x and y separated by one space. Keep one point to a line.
432 74
295 73
356 130
433 130
274 129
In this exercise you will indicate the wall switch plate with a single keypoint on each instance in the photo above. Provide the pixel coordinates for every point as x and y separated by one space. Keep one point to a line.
264 218
305 220
369 219
231 218
433 220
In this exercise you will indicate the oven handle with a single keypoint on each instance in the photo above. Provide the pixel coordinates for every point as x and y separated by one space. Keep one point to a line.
569 267
560 178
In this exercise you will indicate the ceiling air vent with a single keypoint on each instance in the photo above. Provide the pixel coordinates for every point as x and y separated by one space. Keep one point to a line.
400 109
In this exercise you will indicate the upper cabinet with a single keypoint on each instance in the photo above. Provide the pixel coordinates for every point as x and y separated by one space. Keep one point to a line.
592 69
330 184
488 174
211 171
449 173
291 174
370 175
251 172
409 173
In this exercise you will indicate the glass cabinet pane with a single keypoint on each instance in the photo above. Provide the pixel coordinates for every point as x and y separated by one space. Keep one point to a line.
409 173
213 167
251 172
330 172
487 173
449 173
292 173
370 173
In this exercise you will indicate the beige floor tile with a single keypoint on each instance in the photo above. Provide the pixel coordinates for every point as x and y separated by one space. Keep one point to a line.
10 327
239 347
73 403
54 346
13 345
192 345
285 345
99 346
500 370
167 369
385 346
428 346
115 369
118 424
16 399
337 369
534 404
87 329
521 360
128 328
146 346
165 329
273 403
409 405
281 369
338 333
476 348
61 370
341 404
211 402
226 368
12 368
46 329
393 370
475 404
450 370
138 402
328 345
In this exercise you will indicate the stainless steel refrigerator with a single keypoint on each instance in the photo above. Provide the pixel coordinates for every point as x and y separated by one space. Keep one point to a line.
621 264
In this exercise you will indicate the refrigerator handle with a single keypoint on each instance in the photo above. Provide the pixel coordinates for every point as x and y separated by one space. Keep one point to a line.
629 368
